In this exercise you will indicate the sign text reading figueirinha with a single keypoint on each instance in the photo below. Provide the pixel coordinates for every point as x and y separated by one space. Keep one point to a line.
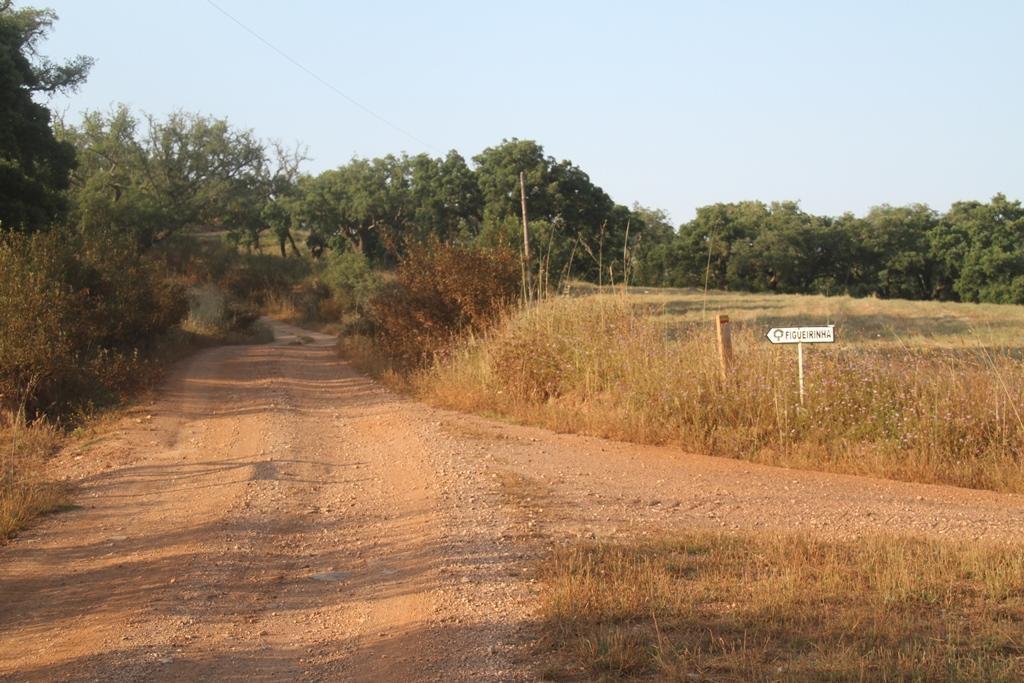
802 335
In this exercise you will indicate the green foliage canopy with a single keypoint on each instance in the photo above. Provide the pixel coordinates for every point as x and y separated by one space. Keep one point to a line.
34 165
167 176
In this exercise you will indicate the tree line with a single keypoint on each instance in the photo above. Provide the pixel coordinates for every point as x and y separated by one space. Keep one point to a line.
148 179
152 178
973 252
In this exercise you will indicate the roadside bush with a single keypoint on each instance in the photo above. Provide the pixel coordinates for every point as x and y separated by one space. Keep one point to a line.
133 298
441 291
75 317
350 280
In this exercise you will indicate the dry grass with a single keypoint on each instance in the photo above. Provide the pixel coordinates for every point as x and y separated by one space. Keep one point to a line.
865 322
711 606
366 356
282 307
604 366
25 490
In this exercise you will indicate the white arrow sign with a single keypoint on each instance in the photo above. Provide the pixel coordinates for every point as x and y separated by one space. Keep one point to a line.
802 335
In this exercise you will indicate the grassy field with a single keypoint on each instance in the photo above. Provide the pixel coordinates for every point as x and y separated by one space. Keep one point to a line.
928 392
862 322
712 606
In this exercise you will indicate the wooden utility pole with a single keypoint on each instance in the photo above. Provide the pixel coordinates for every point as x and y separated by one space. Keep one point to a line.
724 345
526 239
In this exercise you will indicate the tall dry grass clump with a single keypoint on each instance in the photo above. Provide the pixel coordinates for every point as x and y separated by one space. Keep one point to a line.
603 366
25 490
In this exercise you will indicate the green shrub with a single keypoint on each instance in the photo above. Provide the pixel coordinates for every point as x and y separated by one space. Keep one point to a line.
350 280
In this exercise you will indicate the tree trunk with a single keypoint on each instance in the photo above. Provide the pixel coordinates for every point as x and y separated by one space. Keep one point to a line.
295 248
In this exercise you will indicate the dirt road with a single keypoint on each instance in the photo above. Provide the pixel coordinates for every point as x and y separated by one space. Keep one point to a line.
274 515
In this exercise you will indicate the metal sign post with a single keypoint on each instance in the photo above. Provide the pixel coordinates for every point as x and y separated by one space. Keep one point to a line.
802 335
800 368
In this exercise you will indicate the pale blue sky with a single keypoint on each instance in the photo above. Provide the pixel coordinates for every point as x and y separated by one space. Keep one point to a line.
841 105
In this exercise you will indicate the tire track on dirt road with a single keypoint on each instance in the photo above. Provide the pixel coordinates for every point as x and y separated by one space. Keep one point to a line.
274 515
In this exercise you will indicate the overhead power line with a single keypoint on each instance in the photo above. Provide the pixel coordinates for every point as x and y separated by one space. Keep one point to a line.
312 74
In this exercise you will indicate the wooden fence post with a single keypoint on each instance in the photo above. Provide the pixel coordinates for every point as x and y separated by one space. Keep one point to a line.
724 344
